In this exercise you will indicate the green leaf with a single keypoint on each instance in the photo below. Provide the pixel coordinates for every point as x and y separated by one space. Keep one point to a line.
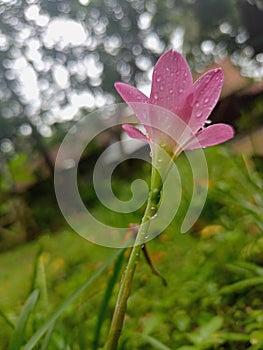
205 334
211 327
155 343
47 337
228 336
7 320
19 332
241 285
42 330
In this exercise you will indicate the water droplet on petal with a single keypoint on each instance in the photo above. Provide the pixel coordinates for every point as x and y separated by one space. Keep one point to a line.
171 91
155 96
161 87
197 104
180 91
206 100
158 78
167 69
199 114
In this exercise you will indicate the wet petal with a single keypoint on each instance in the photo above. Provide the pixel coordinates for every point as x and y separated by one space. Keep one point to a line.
206 93
135 133
130 93
171 83
136 100
212 135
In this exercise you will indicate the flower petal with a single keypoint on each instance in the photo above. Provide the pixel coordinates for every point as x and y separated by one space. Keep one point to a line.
130 93
206 92
134 133
171 83
137 101
212 135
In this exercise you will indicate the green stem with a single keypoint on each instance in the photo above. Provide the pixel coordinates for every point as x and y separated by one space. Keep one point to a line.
126 281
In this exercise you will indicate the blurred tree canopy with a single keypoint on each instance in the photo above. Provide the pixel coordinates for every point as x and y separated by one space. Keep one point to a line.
59 56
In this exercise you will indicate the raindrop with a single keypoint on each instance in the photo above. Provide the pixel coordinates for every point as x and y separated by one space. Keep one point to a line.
180 91
171 91
158 78
146 236
161 87
167 69
155 96
197 104
206 100
154 216
153 207
208 121
139 98
199 114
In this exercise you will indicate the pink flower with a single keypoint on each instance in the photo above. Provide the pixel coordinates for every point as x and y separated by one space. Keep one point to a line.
186 103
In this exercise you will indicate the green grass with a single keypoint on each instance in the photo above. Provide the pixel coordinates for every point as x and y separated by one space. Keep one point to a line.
214 273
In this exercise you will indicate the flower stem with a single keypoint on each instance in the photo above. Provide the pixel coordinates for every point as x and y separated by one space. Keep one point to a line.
126 281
